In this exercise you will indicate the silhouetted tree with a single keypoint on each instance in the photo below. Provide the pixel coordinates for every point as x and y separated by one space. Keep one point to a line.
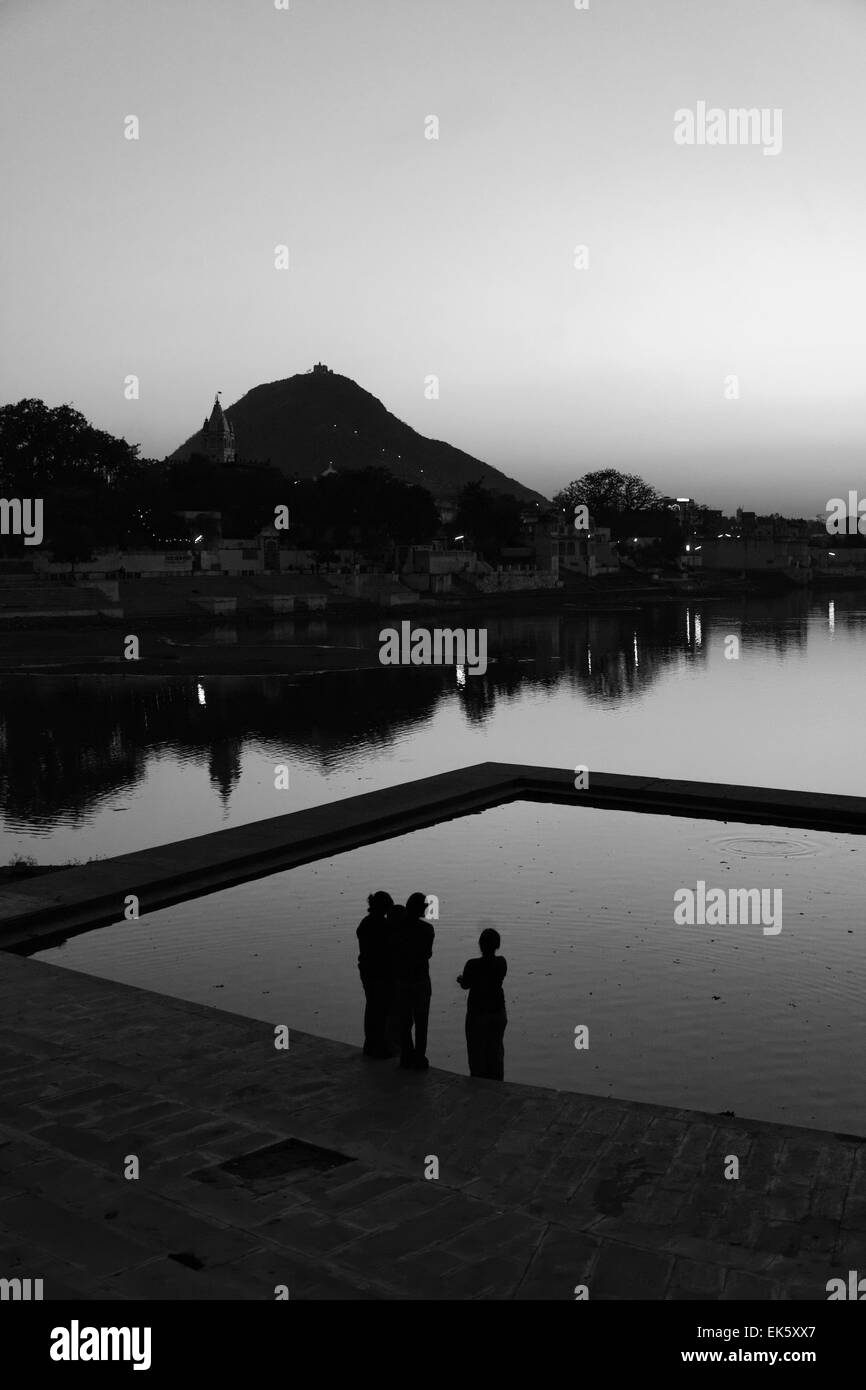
491 520
606 491
42 446
368 509
74 544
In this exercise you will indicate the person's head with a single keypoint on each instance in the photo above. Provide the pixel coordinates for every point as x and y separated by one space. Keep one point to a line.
489 941
416 905
379 904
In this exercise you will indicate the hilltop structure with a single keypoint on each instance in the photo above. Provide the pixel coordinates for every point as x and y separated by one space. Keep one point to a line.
318 420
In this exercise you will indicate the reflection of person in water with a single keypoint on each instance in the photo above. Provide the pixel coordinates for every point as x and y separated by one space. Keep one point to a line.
412 946
374 965
486 1019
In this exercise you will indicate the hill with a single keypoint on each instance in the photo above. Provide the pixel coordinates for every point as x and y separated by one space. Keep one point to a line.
315 420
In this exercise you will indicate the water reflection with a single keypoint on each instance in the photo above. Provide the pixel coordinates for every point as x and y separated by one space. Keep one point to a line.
69 744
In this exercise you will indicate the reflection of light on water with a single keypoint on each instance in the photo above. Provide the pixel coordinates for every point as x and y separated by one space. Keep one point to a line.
831 616
461 677
589 659
200 692
636 662
699 632
688 625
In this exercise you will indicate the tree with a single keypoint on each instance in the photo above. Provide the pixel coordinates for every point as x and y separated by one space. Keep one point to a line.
85 477
43 446
365 508
491 520
608 491
74 544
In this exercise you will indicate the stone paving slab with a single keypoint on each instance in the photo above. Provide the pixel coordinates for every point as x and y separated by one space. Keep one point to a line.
538 1191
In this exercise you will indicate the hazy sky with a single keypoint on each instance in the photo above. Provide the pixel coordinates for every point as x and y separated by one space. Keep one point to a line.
454 256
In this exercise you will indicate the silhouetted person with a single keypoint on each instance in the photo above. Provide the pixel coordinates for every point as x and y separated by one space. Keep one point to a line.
486 1019
374 965
396 920
412 948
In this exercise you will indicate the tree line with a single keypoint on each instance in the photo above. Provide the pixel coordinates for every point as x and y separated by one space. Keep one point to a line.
100 494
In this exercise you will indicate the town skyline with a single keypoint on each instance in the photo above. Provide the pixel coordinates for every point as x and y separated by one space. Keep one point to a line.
709 500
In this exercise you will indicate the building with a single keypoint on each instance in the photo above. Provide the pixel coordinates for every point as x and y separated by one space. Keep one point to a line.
558 547
432 568
686 508
752 555
151 563
218 436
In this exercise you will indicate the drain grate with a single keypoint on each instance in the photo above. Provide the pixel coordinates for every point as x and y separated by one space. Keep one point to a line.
288 1158
186 1257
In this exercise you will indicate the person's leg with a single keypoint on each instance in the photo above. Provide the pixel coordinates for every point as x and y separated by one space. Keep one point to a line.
497 1060
404 1013
484 1049
369 1011
422 1018
392 1017
379 1000
377 997
470 1044
475 1044
484 1040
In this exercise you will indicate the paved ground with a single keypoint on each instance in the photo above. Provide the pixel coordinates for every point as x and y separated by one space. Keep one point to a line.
538 1191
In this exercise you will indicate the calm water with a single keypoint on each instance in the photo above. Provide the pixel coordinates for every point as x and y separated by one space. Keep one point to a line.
716 1018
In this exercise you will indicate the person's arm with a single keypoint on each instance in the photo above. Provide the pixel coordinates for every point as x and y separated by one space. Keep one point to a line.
463 980
504 963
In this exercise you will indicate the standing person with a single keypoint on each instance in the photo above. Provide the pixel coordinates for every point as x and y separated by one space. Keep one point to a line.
374 966
396 920
412 949
486 1019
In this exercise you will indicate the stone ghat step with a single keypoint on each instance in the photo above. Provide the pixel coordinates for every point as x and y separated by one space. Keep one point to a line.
91 895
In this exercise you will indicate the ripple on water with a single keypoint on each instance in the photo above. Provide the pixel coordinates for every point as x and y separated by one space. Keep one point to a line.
766 847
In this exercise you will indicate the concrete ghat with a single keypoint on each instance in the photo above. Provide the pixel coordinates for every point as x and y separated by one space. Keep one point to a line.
538 1190
61 904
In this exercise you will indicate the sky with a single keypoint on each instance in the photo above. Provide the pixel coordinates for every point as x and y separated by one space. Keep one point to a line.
713 342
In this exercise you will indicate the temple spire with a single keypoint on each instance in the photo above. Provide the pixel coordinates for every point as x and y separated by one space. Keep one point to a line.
218 435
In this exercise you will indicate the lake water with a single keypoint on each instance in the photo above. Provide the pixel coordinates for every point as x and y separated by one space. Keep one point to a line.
718 1018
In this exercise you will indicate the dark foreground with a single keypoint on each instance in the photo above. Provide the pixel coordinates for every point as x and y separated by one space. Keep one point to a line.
537 1191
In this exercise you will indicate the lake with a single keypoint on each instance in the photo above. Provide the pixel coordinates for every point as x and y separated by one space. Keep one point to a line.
716 1018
